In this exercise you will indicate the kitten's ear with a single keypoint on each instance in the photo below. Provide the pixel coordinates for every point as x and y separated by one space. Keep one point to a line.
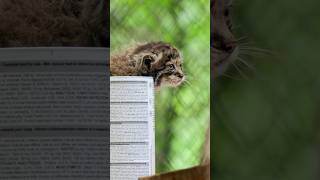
147 61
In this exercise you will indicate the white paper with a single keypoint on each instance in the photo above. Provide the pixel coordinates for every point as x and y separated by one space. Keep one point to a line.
53 114
132 135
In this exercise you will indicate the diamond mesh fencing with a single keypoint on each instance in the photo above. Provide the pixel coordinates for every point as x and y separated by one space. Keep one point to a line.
182 113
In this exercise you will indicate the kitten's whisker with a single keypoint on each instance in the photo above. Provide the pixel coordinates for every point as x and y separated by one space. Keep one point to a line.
186 82
187 77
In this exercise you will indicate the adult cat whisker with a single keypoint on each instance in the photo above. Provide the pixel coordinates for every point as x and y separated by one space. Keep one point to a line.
229 76
235 27
241 39
243 43
239 70
255 49
246 64
250 53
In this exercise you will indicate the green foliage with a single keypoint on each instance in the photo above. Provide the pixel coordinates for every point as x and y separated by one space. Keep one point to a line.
181 114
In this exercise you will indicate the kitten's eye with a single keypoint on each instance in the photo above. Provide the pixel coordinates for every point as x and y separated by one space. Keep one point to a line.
171 66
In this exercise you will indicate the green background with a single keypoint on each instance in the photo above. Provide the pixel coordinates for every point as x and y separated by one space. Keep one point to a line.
266 119
182 113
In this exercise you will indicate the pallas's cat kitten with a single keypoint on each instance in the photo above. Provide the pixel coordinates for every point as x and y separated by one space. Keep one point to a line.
159 60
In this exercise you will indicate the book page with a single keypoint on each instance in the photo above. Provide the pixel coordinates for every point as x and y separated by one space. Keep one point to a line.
54 118
132 142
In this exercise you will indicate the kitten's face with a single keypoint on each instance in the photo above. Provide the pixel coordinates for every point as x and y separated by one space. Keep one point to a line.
171 75
224 47
163 62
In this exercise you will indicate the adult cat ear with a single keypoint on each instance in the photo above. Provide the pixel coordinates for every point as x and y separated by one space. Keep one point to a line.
147 60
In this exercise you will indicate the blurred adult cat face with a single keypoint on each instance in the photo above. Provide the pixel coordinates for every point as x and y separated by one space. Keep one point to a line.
54 23
224 47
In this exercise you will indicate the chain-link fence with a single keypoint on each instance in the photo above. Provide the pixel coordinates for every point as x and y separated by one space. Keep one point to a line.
182 113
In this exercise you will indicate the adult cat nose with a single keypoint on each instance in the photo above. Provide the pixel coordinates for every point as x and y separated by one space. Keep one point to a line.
220 42
229 46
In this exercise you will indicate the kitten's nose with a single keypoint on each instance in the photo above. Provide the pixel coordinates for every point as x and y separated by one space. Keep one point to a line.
179 75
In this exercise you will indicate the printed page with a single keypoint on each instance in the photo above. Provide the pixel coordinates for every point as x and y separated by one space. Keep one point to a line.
132 142
54 119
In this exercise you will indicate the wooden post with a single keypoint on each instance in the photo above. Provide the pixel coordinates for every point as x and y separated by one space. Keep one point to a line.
194 173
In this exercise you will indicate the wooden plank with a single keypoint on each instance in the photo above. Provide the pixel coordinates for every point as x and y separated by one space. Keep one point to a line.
194 173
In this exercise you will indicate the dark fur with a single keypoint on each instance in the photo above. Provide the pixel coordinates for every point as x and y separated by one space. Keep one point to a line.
54 23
